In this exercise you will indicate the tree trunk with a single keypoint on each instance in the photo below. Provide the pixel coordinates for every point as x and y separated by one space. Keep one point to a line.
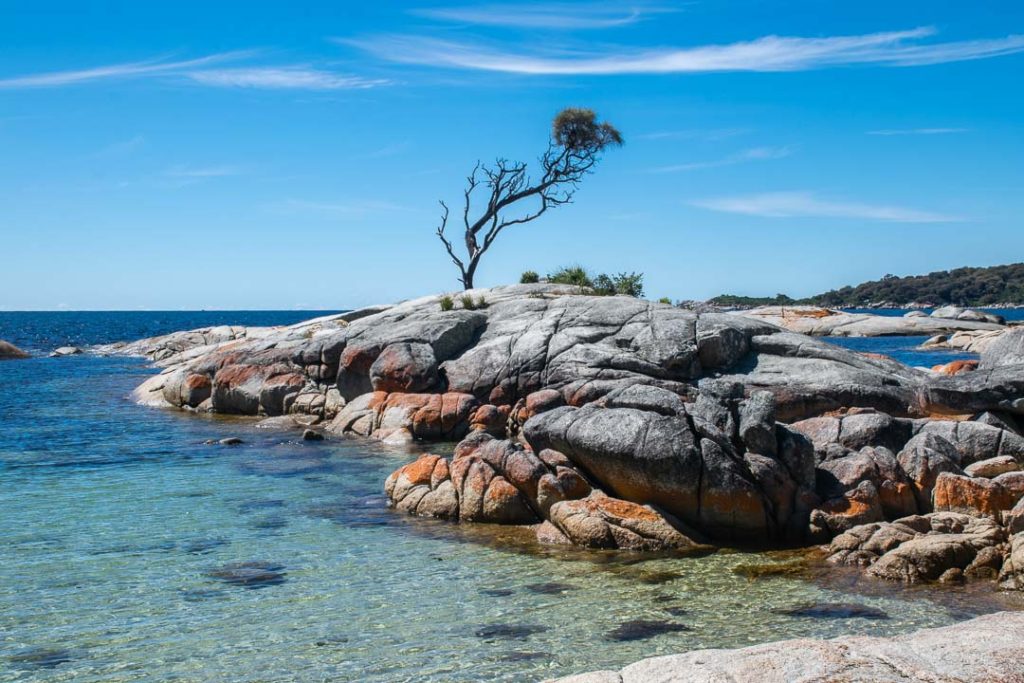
468 273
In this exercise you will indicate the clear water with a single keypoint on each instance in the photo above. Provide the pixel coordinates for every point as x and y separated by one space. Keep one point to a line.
904 349
114 517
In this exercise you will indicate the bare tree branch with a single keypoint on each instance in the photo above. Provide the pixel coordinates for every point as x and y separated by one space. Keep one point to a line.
576 145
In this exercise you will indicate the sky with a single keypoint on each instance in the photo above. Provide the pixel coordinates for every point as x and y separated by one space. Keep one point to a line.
269 155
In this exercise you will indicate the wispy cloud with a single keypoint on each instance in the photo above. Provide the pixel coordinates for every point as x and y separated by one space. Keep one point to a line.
752 154
116 71
807 205
587 15
918 131
708 135
388 150
767 54
200 172
206 70
349 207
122 147
277 78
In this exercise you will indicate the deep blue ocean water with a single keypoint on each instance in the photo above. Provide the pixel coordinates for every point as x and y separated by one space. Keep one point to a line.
43 331
122 533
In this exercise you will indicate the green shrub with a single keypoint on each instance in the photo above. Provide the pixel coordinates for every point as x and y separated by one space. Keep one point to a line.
481 302
665 300
603 285
571 275
467 302
529 277
446 303
627 284
630 284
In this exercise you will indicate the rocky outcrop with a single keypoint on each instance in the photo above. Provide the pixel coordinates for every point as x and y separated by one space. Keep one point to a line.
532 338
620 423
817 321
9 351
961 313
495 481
968 341
984 649
922 548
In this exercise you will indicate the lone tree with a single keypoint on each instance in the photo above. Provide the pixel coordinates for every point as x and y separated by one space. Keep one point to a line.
577 141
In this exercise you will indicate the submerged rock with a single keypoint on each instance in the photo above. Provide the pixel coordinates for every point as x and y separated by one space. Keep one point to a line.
550 588
253 574
509 631
642 629
41 657
835 611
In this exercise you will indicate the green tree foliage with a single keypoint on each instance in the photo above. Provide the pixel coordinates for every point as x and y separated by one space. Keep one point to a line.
961 287
977 287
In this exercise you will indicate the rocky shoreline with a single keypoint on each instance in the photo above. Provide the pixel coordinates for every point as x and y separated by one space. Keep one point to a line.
617 423
988 648
611 422
820 322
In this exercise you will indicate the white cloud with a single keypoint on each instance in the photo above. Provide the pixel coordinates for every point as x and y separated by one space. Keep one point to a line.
116 71
587 15
753 154
276 78
919 131
770 53
807 205
192 172
199 71
122 148
709 135
353 207
388 150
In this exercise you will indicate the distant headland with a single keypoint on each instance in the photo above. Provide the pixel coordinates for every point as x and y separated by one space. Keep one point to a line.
992 287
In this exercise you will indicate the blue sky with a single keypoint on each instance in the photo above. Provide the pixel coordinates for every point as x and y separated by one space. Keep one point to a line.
271 155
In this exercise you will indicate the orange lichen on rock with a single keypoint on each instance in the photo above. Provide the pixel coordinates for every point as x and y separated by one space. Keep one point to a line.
956 367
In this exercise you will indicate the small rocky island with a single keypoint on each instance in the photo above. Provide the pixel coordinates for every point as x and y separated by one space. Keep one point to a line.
617 423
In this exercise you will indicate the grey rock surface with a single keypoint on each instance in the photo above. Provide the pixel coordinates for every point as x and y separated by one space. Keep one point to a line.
732 427
817 321
985 649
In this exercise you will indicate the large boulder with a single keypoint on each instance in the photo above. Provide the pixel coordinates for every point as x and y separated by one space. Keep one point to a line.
722 466
499 482
972 495
923 459
9 351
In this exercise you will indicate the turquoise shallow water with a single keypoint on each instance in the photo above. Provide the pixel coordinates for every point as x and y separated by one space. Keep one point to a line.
118 523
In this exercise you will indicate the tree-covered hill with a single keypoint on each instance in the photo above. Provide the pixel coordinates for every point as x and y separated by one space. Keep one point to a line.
963 287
